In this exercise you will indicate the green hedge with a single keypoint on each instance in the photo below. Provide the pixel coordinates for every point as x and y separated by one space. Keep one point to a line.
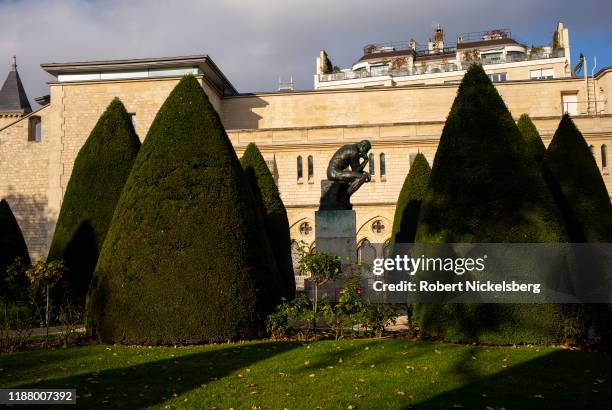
186 260
482 184
409 201
485 188
98 176
581 191
582 196
533 142
275 216
12 244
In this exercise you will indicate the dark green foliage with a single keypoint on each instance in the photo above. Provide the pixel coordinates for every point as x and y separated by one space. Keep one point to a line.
581 194
273 210
533 142
14 256
98 176
186 259
409 201
484 188
580 189
12 244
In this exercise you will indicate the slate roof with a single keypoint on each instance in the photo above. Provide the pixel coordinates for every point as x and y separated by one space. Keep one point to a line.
13 98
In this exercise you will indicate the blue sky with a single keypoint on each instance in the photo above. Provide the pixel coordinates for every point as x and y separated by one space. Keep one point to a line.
256 41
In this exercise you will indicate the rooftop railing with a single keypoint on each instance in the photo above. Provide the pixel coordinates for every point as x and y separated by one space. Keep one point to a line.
435 68
495 34
406 45
419 49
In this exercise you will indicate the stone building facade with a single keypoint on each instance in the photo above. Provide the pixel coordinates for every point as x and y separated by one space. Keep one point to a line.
296 131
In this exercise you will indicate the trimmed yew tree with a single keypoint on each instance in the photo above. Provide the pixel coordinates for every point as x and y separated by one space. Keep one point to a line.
533 142
186 259
273 210
582 193
409 201
98 176
582 196
484 188
12 244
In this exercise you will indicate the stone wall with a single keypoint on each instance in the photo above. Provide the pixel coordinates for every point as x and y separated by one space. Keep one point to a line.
400 122
24 182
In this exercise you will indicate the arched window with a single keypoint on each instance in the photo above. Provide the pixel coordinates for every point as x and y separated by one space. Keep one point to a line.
366 253
387 249
300 173
383 165
372 166
296 254
604 155
310 167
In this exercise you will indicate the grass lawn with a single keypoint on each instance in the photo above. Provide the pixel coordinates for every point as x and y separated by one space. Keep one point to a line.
364 374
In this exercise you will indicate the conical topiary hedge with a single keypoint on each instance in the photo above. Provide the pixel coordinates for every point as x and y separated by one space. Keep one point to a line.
409 201
484 188
275 216
482 183
98 176
583 194
533 142
185 260
12 244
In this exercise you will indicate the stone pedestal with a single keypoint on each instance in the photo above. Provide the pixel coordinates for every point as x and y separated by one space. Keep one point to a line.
335 233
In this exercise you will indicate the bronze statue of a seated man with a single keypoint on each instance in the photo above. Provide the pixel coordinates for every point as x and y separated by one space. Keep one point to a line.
349 156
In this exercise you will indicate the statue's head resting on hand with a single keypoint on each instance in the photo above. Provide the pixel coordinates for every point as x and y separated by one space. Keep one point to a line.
347 166
364 147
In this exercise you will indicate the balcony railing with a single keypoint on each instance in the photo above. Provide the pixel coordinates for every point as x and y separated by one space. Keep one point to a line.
494 34
419 49
584 107
429 69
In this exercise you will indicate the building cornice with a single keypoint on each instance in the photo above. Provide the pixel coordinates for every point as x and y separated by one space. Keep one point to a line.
206 65
390 124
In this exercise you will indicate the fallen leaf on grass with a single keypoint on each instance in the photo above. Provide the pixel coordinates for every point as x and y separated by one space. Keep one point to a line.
249 385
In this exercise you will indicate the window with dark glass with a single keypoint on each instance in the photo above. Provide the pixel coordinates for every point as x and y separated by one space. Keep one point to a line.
310 167
383 165
372 166
300 173
604 156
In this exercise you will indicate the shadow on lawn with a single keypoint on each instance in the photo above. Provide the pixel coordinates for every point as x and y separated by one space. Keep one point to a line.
152 383
559 380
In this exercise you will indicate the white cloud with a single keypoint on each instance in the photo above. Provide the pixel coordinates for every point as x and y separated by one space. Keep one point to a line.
255 41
